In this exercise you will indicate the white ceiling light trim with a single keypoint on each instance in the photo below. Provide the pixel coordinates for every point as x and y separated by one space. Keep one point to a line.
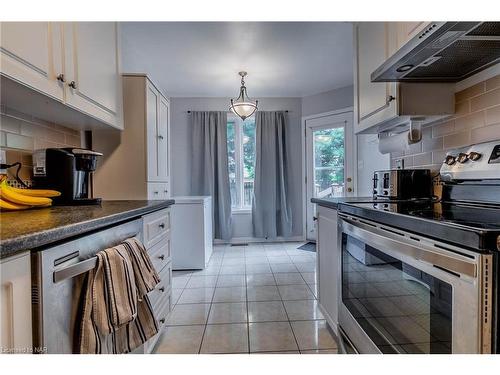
242 106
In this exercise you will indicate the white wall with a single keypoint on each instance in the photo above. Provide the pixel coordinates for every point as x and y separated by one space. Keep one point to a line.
181 157
328 101
369 160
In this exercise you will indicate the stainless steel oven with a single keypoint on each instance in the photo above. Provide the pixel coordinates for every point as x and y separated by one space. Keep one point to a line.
406 293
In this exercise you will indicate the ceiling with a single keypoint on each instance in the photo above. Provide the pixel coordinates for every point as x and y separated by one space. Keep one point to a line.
202 59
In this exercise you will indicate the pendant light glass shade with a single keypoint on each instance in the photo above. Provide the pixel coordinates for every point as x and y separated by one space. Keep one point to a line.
242 106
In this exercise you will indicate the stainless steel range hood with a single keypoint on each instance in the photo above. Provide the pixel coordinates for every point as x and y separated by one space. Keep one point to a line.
443 52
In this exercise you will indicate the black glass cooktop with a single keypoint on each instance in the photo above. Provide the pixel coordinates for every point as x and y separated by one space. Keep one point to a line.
480 217
475 226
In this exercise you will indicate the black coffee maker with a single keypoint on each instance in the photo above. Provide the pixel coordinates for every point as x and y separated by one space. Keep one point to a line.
70 171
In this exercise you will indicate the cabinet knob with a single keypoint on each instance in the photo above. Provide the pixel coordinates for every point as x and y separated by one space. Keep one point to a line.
156 192
162 320
349 190
165 191
72 84
160 137
390 98
162 225
162 289
161 257
60 78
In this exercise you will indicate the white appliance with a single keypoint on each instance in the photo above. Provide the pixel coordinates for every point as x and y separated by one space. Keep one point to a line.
191 226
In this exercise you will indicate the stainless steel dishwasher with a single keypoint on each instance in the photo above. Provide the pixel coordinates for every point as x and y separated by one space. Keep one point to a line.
58 274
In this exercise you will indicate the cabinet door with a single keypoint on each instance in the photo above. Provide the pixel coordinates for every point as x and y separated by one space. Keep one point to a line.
407 30
92 67
31 53
152 120
15 304
163 139
375 101
328 264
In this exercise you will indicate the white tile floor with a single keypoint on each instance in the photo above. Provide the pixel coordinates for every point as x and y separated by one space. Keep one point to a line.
258 298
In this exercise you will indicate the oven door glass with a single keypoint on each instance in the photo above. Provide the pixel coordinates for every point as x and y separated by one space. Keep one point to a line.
401 308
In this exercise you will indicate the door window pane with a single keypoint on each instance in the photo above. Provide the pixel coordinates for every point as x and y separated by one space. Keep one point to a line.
329 162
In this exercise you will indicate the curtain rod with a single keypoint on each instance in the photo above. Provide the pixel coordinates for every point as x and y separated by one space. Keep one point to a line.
229 111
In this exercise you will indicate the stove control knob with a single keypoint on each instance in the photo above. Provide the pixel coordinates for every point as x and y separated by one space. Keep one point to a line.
474 156
450 160
462 158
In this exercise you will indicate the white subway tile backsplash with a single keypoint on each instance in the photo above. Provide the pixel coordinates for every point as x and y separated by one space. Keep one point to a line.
22 133
477 119
457 140
485 134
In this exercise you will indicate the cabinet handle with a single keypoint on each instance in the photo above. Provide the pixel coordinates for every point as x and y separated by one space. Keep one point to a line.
315 218
165 191
156 192
162 225
162 257
72 84
162 320
160 137
60 78
162 289
390 98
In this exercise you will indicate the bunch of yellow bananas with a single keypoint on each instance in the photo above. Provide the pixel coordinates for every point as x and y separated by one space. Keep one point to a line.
12 198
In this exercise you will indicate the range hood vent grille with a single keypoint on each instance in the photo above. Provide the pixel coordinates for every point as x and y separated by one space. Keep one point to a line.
459 59
449 52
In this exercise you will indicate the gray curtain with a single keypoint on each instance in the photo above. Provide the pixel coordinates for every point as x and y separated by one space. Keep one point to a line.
271 214
209 167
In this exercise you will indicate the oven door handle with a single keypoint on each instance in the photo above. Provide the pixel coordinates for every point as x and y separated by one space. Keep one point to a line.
396 244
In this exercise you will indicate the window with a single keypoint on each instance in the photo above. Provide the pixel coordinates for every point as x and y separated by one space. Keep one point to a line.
241 160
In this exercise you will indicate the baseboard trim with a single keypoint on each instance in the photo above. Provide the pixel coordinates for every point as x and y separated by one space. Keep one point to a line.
237 240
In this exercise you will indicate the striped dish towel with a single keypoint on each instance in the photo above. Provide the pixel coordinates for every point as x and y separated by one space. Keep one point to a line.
117 316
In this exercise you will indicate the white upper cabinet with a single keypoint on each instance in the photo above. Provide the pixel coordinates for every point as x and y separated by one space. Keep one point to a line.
163 139
407 30
380 106
374 102
92 69
157 130
76 63
152 126
31 53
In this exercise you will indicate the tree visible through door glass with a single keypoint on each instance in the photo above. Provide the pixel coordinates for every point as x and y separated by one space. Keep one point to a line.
329 151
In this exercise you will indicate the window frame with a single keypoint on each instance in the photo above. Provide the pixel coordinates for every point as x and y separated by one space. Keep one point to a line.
239 165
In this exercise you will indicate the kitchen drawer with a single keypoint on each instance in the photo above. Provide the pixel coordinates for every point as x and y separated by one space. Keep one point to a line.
160 254
163 289
161 314
156 227
158 190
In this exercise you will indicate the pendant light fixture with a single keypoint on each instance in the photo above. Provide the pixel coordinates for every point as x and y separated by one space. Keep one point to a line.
242 105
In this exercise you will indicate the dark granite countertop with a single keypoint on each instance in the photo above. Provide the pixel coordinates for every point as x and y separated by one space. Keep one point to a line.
334 202
30 229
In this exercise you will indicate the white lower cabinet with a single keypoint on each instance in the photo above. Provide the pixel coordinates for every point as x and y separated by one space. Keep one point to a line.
157 241
15 303
328 258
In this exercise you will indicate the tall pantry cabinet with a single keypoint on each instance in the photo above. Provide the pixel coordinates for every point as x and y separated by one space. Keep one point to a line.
136 161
